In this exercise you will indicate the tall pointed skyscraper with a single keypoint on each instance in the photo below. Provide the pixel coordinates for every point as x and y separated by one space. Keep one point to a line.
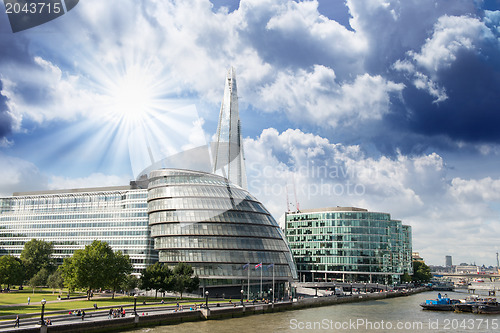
229 160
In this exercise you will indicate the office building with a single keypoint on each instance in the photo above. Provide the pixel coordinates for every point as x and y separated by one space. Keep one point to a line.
71 219
448 261
349 244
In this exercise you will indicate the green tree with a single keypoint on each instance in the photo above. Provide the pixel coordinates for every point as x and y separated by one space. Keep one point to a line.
183 279
406 277
11 270
55 280
37 254
91 268
157 277
130 283
68 274
39 279
120 269
421 272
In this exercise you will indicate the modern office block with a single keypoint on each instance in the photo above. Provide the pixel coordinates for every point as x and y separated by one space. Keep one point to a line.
348 244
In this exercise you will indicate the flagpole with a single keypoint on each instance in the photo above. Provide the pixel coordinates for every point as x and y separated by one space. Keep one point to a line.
273 287
261 269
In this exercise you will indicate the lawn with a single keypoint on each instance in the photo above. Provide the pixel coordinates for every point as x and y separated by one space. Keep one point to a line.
21 297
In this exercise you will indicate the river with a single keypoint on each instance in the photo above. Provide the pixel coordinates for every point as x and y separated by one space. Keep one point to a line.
401 314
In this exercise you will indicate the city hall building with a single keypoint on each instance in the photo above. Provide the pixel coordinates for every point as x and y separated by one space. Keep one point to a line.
349 244
206 219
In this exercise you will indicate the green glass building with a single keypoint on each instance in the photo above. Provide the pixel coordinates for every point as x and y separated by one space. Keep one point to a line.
348 244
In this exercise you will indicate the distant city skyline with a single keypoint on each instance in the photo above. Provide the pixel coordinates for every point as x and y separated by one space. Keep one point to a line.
388 105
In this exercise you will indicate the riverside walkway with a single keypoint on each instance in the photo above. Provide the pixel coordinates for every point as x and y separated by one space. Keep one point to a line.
158 314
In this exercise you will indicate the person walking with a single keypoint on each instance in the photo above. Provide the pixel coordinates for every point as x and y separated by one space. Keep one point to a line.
17 322
83 314
29 299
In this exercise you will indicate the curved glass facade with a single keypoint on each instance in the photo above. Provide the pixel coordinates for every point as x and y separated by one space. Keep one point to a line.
218 228
345 241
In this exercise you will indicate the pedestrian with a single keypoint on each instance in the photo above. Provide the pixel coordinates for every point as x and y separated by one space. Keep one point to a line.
17 322
29 299
110 313
83 314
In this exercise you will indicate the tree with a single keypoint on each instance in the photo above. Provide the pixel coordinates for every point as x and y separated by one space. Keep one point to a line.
120 268
11 270
406 277
130 283
92 267
68 274
421 272
55 281
37 254
39 279
183 280
157 277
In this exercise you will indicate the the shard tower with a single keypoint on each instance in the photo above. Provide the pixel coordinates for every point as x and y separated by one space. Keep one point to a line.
228 148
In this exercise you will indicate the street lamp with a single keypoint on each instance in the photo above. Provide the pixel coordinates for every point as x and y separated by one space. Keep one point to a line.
135 304
206 299
43 309
241 291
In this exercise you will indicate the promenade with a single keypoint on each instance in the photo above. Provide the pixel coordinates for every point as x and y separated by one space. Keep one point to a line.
159 314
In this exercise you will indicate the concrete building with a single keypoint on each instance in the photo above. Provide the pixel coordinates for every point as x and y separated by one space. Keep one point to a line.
349 244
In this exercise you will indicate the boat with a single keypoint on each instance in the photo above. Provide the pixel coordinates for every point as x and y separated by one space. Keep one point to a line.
490 305
440 304
468 304
443 286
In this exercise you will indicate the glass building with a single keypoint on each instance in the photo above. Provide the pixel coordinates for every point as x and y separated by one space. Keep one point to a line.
71 219
348 244
218 228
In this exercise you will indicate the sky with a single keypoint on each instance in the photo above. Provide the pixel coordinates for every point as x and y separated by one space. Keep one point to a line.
388 105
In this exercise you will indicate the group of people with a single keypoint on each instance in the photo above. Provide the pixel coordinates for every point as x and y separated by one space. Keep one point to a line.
116 313
77 313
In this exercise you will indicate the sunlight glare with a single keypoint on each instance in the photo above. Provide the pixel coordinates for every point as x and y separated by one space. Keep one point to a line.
132 96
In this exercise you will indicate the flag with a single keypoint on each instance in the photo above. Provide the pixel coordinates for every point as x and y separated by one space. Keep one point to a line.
258 265
246 266
269 266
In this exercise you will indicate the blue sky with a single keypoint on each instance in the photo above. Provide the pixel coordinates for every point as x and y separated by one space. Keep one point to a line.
388 105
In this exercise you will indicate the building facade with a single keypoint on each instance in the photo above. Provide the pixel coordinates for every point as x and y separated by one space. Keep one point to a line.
71 219
348 244
220 229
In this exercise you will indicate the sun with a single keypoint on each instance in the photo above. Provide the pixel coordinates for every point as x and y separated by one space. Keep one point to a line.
131 96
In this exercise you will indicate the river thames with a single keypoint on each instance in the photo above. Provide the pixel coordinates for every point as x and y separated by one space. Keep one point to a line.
401 314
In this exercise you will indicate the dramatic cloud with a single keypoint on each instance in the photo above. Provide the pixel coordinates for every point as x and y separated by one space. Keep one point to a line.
408 89
417 190
317 97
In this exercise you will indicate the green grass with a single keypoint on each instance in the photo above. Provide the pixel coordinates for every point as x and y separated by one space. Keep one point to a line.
21 297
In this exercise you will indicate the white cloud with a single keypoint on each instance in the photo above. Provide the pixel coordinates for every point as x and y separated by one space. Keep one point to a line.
414 189
93 180
43 92
19 175
317 97
451 35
